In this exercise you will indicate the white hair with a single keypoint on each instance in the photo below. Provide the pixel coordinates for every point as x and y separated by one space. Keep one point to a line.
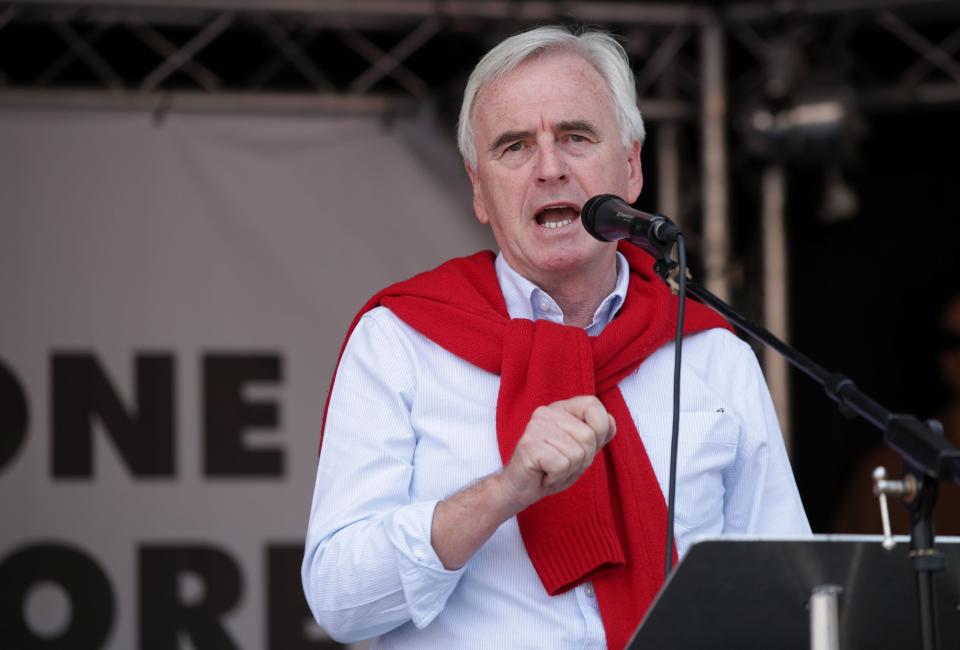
598 48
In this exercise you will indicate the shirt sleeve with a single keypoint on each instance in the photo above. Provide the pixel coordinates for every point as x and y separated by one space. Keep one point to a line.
761 496
369 565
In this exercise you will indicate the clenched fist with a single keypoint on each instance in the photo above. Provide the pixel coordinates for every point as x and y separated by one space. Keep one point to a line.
556 448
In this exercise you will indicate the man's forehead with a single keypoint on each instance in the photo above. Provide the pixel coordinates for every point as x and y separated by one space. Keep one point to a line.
554 72
537 117
543 92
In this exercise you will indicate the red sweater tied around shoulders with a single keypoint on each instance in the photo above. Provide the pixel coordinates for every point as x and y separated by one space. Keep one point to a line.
610 526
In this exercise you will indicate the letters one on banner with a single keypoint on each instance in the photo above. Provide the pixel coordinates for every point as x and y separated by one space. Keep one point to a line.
188 587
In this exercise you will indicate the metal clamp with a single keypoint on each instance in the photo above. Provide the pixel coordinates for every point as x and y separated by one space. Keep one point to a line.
906 489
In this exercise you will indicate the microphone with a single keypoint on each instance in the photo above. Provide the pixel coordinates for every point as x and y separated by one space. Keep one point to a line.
608 218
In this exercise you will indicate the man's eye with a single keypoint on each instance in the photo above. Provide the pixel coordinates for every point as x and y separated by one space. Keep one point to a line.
515 147
573 137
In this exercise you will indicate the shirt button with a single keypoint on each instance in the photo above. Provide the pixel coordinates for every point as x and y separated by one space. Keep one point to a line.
543 304
588 589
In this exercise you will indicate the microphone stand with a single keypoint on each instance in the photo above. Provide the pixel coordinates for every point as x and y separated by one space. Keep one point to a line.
928 457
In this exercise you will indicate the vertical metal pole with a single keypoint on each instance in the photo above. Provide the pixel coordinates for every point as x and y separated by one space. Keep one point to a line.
776 284
668 159
716 226
825 618
927 560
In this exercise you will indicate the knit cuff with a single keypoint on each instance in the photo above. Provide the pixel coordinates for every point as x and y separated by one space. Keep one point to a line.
575 553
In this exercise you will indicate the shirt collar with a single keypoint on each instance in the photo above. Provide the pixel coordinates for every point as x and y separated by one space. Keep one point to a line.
524 299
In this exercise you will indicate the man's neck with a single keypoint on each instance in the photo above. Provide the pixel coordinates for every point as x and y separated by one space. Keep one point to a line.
579 294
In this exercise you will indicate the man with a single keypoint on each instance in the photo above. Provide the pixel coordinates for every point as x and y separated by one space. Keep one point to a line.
497 437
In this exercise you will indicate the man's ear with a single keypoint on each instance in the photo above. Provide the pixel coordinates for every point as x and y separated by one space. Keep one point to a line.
634 172
478 205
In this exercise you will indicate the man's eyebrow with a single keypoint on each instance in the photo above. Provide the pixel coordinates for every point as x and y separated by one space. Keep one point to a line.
508 137
577 125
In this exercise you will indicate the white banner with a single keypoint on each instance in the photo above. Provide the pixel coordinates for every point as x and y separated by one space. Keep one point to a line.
174 294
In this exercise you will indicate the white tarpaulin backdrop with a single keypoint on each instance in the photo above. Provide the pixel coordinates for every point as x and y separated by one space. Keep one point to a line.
174 294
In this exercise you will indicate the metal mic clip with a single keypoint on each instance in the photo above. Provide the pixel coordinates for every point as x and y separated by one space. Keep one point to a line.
669 271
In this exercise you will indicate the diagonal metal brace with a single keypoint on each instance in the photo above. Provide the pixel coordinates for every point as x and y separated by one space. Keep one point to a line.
176 60
53 70
391 63
293 53
921 67
87 54
661 59
160 44
920 43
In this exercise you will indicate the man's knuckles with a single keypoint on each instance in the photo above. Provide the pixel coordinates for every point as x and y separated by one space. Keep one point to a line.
560 465
544 412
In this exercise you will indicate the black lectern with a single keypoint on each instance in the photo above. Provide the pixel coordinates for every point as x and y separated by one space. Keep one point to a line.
747 593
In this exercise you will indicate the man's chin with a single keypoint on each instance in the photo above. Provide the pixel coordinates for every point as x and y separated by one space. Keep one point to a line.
567 262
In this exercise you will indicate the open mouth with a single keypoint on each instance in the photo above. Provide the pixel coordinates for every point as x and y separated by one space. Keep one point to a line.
557 217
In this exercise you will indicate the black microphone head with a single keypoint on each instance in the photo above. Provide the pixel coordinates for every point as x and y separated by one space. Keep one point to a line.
599 218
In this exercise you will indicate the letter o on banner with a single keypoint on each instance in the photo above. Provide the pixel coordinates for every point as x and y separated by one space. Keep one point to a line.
89 592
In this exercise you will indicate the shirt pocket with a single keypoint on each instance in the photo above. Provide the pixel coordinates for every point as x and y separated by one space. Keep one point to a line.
707 448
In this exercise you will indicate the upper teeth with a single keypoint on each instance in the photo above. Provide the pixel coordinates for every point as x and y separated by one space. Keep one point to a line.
557 224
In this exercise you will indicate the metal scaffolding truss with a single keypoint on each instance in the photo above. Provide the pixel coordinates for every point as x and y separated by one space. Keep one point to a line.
321 55
215 58
888 58
377 55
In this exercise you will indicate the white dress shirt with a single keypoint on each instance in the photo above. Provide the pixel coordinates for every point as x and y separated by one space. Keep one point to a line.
410 423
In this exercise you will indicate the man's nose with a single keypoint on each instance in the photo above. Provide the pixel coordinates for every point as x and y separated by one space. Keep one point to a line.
551 165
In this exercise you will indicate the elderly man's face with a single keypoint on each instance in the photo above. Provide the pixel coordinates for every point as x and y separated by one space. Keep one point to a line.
547 140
